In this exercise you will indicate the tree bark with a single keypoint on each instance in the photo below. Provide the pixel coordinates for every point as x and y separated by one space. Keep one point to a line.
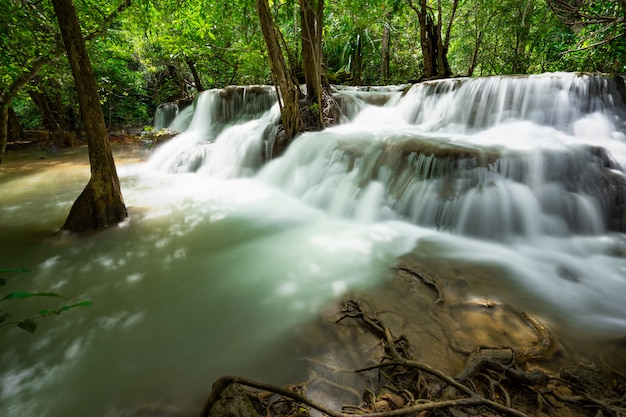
100 204
52 116
15 130
4 128
194 72
289 92
7 96
357 62
384 48
311 16
434 51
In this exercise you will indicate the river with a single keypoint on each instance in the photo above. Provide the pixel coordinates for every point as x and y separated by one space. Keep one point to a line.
224 256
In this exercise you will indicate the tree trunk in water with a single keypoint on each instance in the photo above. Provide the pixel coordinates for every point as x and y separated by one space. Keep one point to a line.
384 49
311 37
100 204
311 17
289 92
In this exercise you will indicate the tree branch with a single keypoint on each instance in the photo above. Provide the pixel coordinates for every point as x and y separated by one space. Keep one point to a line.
603 42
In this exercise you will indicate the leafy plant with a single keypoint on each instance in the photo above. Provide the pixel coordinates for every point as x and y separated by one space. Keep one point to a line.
29 324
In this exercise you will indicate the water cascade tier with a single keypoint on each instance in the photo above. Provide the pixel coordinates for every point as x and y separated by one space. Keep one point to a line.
496 158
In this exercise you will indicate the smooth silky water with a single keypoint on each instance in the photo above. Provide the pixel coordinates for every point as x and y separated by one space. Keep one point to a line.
224 256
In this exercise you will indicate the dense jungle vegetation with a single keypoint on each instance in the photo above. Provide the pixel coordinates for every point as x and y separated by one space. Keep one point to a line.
147 52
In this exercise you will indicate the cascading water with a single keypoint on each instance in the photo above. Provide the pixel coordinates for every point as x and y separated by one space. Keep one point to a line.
532 164
226 134
164 115
225 252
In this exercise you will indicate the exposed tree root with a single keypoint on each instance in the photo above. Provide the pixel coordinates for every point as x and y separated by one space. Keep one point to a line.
426 281
494 382
396 348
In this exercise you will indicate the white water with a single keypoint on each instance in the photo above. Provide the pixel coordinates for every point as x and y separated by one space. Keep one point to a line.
224 255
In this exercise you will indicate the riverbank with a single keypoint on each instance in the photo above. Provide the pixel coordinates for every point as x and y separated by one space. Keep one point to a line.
456 320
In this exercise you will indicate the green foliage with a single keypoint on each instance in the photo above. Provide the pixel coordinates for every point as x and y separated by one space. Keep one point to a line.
146 56
29 324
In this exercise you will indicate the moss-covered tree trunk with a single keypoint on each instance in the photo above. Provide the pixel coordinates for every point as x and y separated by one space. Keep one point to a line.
100 204
311 18
289 91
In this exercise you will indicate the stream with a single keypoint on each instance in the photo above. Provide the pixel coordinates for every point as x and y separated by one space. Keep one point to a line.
225 256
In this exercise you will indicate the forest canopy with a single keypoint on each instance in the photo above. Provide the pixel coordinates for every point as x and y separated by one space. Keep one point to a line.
148 52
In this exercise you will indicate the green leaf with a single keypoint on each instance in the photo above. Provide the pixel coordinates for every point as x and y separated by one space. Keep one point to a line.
2 282
81 304
48 312
22 294
5 317
2 270
29 325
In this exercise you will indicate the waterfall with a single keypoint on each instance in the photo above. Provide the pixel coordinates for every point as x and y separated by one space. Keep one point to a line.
506 188
498 158
165 115
561 101
225 137
173 116
530 171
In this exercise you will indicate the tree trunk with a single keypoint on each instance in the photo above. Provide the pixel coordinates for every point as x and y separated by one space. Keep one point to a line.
7 96
52 116
357 62
31 70
15 130
384 49
194 72
474 59
4 129
100 204
434 50
520 60
41 101
311 17
289 92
